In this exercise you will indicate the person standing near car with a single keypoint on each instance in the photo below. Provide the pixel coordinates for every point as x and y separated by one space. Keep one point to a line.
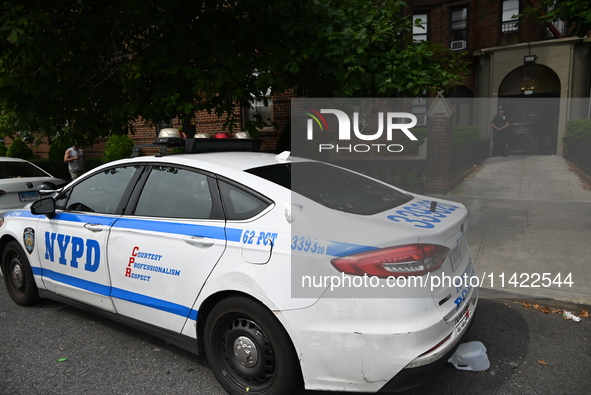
500 125
73 157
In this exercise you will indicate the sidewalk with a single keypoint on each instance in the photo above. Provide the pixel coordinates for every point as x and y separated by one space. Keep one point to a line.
530 222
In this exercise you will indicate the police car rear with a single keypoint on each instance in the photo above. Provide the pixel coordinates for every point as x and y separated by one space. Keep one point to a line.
391 271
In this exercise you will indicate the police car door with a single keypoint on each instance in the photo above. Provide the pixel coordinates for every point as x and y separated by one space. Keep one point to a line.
165 246
73 242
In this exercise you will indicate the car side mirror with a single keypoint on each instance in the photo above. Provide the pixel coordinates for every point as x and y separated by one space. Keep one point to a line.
44 206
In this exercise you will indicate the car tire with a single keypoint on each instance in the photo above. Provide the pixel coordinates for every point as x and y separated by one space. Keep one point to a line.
18 276
249 351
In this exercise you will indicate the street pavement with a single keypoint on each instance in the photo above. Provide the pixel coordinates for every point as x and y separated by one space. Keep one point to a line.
529 228
54 349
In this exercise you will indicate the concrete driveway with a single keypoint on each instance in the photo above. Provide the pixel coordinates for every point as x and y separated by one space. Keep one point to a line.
529 228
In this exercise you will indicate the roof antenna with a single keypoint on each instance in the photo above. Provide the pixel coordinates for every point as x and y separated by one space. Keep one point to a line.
433 206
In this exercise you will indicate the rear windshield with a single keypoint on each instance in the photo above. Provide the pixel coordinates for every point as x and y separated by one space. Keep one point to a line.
20 169
334 187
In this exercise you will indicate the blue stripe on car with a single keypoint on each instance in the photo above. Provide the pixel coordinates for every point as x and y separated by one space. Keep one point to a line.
84 218
155 303
336 248
215 232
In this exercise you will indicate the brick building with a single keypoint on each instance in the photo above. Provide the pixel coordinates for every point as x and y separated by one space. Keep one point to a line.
276 114
534 70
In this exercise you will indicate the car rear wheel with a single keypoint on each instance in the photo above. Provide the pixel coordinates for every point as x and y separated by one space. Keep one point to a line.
18 276
249 351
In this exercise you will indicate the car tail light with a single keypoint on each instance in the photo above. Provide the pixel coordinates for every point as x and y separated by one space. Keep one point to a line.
435 347
405 260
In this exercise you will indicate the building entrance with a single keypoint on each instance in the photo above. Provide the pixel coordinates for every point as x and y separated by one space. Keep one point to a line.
530 95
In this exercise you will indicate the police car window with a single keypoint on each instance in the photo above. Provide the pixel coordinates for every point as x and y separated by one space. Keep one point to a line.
240 204
100 193
334 187
61 199
172 192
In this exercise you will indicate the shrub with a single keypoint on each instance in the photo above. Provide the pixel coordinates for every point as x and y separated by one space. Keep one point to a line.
465 135
19 149
58 148
118 146
579 129
412 147
3 149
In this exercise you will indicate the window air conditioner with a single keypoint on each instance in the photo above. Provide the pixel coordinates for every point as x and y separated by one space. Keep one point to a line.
458 45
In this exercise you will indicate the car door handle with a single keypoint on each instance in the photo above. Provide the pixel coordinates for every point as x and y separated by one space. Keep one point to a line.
204 241
94 227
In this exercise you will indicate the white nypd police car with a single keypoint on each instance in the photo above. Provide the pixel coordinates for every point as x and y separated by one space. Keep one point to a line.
285 272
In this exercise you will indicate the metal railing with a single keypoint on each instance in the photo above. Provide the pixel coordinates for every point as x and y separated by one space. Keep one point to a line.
579 152
411 174
463 159
408 174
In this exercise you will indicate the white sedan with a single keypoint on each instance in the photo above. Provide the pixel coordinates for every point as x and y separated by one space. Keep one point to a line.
285 272
19 180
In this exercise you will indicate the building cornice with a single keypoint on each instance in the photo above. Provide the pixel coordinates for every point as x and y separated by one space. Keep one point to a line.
544 43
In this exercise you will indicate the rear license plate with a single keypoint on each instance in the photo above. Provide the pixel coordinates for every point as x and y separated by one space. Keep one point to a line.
28 196
462 319
456 257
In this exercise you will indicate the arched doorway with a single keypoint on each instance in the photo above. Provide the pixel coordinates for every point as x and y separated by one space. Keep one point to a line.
530 95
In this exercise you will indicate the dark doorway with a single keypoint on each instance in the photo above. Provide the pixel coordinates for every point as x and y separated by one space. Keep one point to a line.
530 95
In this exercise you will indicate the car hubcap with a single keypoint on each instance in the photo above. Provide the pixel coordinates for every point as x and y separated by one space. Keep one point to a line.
246 351
17 275
248 354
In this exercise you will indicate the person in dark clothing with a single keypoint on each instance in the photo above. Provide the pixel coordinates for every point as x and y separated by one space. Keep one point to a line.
500 125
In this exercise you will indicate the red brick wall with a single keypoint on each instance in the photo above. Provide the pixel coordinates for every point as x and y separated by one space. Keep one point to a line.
145 133
484 24
484 21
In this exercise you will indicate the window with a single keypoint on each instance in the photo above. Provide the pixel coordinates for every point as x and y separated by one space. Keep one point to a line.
172 192
334 187
20 169
420 30
100 193
240 204
558 26
259 113
509 21
419 109
459 28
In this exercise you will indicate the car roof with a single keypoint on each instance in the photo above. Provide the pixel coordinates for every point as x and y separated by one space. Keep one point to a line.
221 162
236 160
232 165
10 159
